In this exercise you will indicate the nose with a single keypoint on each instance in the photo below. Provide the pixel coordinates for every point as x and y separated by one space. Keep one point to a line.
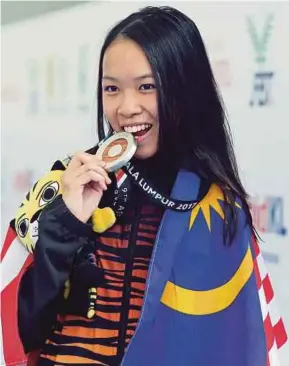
129 104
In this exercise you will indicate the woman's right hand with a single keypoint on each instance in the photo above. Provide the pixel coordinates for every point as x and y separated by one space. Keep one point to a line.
83 184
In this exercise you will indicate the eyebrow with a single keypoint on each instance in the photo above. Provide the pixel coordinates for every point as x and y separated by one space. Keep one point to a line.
144 76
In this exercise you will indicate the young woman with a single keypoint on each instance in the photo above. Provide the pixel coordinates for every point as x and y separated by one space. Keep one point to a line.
174 278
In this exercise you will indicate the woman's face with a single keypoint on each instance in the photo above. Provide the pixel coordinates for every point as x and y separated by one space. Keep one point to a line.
130 96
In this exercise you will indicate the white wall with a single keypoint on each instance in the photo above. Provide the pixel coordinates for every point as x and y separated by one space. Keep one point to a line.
49 71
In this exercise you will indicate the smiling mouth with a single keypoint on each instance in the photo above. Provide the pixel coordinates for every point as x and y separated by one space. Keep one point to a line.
139 130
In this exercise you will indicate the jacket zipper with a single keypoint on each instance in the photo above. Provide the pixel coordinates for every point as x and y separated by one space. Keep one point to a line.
127 283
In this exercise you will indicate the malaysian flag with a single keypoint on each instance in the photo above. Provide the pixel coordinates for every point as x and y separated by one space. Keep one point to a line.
14 260
254 295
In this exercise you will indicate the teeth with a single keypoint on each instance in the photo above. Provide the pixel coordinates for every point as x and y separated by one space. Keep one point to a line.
134 129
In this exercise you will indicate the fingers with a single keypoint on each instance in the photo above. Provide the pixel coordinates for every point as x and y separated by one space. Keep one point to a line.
92 176
81 164
92 166
78 159
81 158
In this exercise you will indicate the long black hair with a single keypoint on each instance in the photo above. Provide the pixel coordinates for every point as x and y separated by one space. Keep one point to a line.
193 124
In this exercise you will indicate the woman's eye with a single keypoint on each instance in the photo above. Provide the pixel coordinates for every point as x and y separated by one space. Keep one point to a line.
147 87
110 89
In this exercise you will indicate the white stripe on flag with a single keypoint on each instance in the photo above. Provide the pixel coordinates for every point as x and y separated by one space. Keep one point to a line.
261 265
274 312
13 262
122 179
263 303
273 356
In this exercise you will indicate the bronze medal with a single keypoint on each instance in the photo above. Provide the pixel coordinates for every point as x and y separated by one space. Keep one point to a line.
117 150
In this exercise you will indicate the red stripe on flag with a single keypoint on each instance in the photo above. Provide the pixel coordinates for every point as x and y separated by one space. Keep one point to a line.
12 347
268 290
119 174
269 333
280 333
255 246
10 236
257 275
